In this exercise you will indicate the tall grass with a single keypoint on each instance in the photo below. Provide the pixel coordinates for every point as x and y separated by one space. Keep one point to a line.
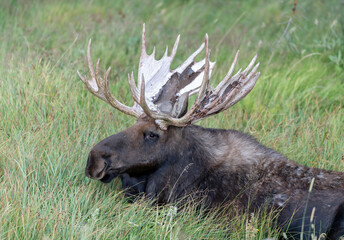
49 122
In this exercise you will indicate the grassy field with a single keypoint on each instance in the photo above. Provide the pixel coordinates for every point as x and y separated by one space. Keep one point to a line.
49 121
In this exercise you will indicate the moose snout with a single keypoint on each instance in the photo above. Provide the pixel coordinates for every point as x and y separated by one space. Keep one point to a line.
95 167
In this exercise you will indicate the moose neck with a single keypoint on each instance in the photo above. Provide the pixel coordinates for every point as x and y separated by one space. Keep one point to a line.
202 161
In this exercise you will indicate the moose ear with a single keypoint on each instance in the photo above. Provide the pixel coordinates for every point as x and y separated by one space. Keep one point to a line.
181 105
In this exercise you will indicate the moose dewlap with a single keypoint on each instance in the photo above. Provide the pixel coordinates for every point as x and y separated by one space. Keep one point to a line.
165 157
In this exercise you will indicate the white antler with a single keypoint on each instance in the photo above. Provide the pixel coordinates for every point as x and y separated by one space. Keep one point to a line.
158 72
162 93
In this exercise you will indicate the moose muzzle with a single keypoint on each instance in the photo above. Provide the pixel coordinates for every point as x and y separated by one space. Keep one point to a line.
96 167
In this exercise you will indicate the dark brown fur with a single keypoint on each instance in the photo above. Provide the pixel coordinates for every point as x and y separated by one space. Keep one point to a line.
219 166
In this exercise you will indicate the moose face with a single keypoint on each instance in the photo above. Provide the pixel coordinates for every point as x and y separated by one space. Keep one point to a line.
136 150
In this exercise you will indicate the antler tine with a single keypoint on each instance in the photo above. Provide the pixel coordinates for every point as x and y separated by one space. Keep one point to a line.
91 84
133 88
205 82
143 102
97 66
143 54
227 78
143 39
175 47
250 65
100 87
254 70
89 61
166 51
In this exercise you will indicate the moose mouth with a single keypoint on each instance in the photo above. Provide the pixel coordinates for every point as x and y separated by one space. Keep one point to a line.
108 177
110 173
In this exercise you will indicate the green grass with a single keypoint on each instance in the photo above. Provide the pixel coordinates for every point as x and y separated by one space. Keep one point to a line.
49 121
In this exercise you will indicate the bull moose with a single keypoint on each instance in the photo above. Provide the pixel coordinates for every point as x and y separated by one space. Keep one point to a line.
167 158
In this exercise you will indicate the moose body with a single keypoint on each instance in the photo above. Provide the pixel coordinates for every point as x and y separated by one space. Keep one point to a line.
167 158
219 167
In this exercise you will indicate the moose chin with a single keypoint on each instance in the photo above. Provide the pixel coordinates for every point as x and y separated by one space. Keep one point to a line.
166 158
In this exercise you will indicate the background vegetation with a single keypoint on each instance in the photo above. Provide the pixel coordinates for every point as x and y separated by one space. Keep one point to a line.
49 121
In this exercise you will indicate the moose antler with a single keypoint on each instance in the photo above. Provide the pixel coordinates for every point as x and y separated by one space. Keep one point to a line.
100 86
162 93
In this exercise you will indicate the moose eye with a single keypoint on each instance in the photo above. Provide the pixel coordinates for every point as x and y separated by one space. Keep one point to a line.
151 136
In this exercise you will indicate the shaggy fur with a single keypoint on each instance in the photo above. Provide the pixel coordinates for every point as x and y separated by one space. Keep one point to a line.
220 166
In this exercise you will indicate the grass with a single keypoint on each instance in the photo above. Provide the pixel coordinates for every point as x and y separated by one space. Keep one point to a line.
49 121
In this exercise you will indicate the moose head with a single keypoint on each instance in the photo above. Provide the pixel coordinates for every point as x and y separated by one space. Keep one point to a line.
161 102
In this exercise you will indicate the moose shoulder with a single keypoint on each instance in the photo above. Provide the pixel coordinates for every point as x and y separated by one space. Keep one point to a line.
167 158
